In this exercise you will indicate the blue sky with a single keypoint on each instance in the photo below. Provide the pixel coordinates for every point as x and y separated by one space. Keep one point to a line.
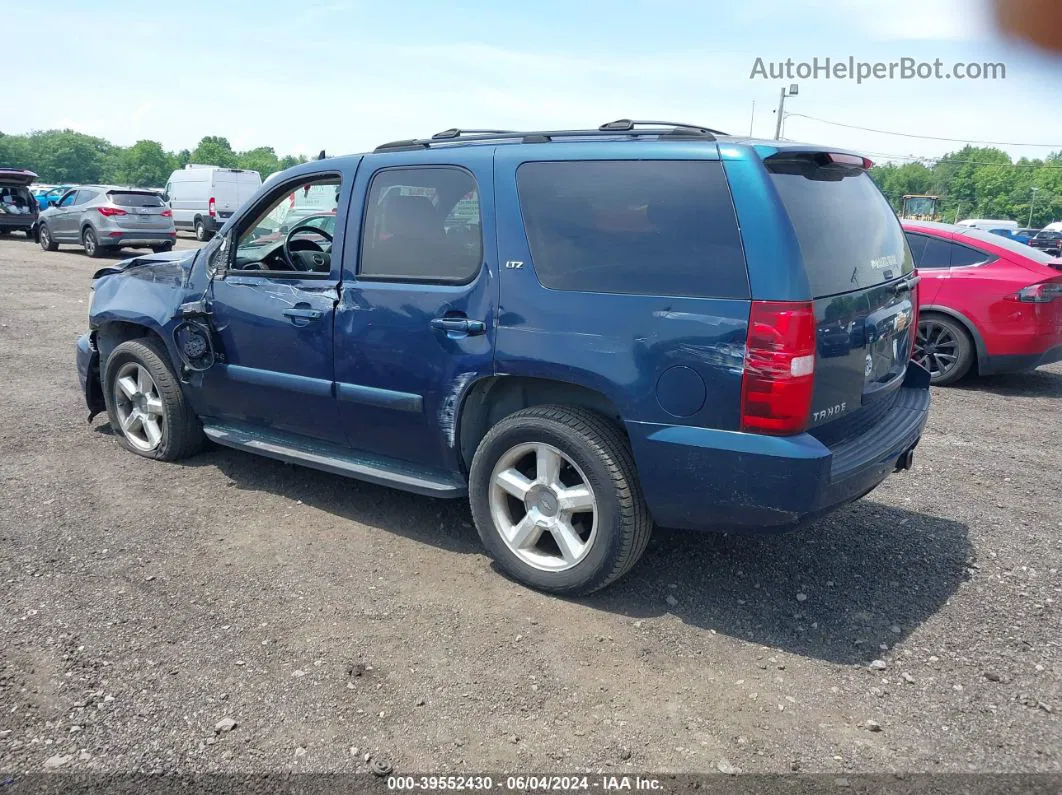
345 75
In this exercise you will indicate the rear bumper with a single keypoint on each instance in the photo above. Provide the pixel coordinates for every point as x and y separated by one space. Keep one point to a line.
10 221
1016 363
706 479
136 238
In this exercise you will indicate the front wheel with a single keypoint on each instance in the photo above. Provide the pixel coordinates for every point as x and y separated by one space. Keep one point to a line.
556 500
90 243
944 348
44 236
145 404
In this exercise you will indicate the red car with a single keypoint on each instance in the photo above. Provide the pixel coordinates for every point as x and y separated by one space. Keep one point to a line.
987 304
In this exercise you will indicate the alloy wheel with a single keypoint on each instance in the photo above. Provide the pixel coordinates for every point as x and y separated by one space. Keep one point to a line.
936 348
139 407
543 507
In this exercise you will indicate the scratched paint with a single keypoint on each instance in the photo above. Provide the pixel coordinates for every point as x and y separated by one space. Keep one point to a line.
448 409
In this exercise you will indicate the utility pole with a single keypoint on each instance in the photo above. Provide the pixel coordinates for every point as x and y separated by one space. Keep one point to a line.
752 118
794 89
1032 203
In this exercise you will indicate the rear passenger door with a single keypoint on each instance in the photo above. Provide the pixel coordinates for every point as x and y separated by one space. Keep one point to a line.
415 323
625 276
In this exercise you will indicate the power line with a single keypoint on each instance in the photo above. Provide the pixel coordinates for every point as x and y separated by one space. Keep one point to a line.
924 137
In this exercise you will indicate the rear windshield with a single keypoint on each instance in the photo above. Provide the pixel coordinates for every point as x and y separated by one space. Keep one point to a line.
1048 235
1013 246
633 226
135 199
849 236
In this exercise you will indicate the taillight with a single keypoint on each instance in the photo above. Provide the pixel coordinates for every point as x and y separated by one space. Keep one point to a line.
167 213
779 373
1042 293
109 211
210 207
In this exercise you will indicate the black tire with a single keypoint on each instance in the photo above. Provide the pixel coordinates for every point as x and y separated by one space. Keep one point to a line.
201 233
960 345
600 450
182 433
30 233
44 236
163 248
91 243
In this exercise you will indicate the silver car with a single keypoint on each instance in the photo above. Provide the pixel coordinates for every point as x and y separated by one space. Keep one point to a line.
103 218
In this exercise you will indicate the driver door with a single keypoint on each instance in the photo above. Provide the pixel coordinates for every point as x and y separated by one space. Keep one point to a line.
273 311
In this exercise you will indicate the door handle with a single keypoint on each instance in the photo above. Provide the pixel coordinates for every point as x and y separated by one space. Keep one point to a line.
304 314
459 324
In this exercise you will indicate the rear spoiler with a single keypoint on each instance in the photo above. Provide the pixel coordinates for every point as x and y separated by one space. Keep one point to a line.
849 159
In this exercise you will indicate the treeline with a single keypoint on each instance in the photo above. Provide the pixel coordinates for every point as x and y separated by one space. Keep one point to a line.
68 157
981 182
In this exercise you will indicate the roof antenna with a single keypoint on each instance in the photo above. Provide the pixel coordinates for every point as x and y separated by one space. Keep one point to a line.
322 155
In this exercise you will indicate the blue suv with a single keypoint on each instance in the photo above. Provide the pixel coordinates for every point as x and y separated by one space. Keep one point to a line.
585 331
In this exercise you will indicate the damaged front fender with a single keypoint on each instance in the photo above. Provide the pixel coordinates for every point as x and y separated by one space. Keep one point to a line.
88 371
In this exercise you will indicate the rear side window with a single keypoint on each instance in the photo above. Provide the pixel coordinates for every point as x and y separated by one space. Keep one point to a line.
135 199
422 225
85 196
637 227
964 255
849 236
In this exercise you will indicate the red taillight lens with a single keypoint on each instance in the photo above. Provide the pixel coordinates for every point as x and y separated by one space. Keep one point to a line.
779 368
167 213
210 207
1042 293
109 211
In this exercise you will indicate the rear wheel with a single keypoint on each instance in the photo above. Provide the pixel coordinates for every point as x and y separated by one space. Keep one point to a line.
556 500
45 238
201 233
145 403
90 243
944 348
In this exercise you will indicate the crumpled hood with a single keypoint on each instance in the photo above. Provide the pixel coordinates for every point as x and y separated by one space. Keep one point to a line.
165 262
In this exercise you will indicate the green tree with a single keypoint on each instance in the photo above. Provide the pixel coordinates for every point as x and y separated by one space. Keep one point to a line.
68 156
183 158
291 160
213 150
14 151
145 165
262 159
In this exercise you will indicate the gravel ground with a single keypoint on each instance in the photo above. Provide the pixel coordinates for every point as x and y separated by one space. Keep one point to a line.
234 613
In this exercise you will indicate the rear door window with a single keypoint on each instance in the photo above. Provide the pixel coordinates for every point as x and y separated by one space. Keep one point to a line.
849 236
135 199
635 227
962 256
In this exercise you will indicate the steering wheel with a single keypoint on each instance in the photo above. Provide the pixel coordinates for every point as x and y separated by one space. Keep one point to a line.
296 262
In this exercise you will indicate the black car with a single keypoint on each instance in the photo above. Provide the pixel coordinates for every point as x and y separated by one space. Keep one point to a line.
1048 241
18 207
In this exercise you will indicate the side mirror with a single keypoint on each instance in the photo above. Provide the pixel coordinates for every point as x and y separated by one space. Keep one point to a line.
166 197
53 203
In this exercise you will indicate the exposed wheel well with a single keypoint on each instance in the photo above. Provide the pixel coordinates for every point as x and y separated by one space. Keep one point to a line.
964 324
112 334
492 399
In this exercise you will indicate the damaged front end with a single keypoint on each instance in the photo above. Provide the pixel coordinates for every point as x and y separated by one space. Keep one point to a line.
88 371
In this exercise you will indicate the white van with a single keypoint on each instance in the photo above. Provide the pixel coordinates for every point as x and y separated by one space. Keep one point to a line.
988 224
202 198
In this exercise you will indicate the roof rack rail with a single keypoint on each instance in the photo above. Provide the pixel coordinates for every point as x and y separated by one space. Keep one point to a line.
628 125
454 132
624 127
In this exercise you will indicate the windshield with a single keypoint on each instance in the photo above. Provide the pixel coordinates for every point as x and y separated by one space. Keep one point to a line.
1012 246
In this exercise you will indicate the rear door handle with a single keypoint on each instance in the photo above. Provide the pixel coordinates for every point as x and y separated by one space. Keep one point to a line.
304 314
459 324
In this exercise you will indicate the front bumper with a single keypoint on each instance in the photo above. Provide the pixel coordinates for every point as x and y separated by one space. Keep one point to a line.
88 372
707 479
